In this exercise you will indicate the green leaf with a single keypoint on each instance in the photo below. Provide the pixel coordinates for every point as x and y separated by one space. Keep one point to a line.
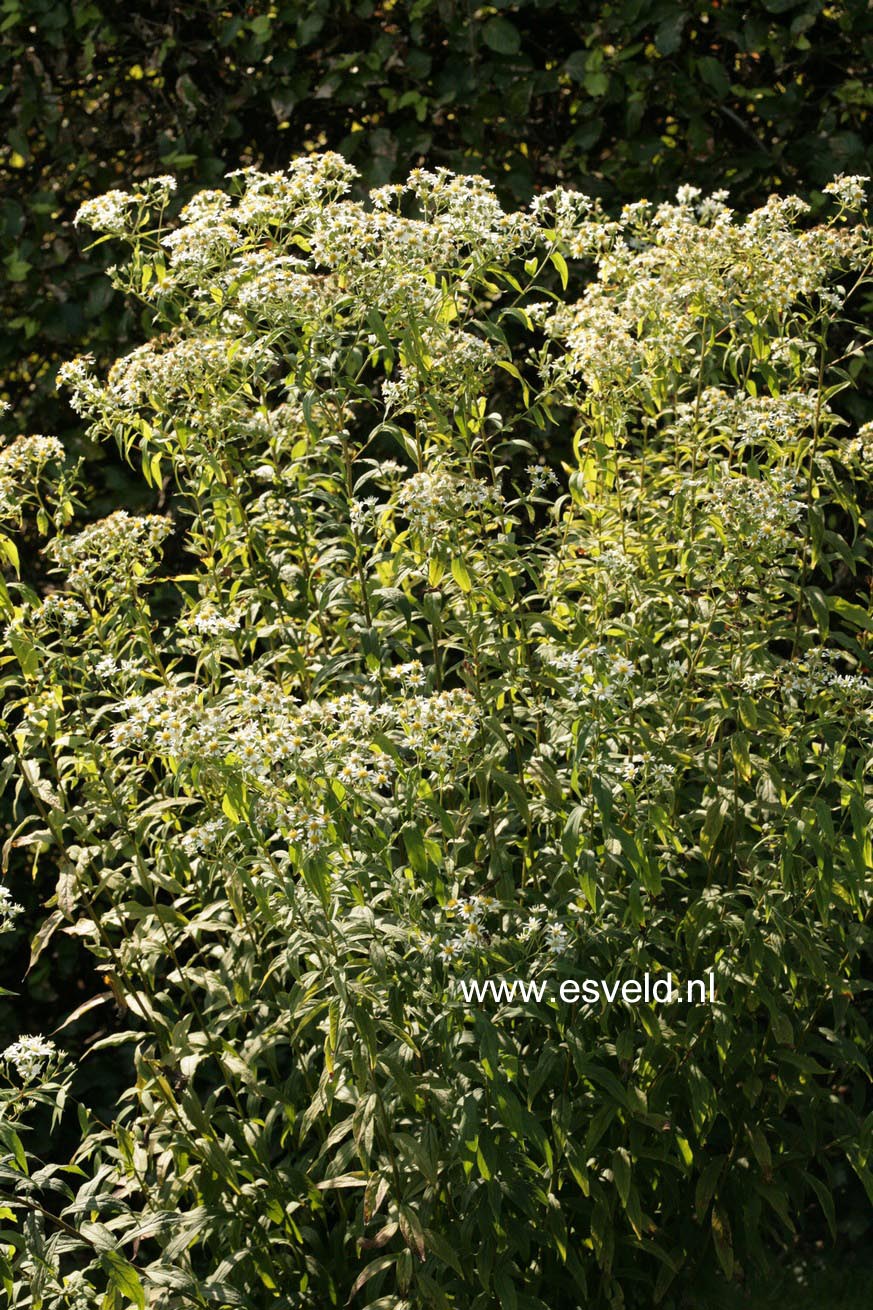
416 852
826 1201
721 1236
818 605
12 1141
596 84
668 36
411 1230
44 935
713 74
706 1185
621 1172
715 811
123 1276
500 35
854 614
9 550
510 368
560 264
461 575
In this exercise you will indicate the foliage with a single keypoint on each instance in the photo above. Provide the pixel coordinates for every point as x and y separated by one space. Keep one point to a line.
642 95
384 704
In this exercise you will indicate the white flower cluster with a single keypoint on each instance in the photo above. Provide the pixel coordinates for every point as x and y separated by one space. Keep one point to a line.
244 250
755 512
435 498
30 1056
115 548
666 271
466 924
598 345
203 837
186 371
362 769
205 204
849 191
207 621
861 446
439 728
113 211
466 919
347 235
269 734
454 363
464 207
616 564
658 774
22 463
541 477
77 375
753 419
306 827
309 182
110 212
594 673
544 924
9 909
171 720
362 513
411 674
188 379
203 241
27 455
562 211
58 610
815 673
281 289
109 667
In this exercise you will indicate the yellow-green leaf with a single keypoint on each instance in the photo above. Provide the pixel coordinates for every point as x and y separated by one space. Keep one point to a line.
461 575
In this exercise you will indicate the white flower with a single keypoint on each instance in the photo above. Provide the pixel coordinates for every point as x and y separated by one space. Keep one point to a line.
208 622
361 512
111 550
472 934
435 498
107 213
623 668
556 936
9 909
686 195
412 674
849 191
26 455
540 478
29 1056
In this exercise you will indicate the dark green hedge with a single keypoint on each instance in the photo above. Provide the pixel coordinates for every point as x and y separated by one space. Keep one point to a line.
621 99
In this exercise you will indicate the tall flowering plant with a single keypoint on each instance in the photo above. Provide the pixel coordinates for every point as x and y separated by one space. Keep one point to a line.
382 700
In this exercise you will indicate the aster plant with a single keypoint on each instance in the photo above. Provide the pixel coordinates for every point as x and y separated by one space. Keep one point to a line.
504 613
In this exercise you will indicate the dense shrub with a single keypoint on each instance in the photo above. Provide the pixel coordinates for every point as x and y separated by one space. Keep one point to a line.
384 704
